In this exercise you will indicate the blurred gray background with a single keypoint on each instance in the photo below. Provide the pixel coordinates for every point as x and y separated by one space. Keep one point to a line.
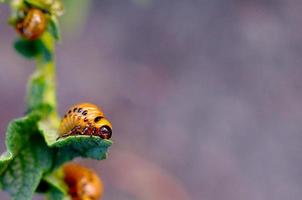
205 97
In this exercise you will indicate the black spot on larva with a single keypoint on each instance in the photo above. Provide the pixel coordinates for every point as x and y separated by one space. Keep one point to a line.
85 119
65 116
69 111
75 109
85 112
98 118
80 110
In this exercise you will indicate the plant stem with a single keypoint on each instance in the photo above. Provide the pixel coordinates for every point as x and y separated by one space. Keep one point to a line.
42 85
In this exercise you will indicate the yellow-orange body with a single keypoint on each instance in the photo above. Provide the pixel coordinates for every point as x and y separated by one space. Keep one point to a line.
85 119
83 183
33 25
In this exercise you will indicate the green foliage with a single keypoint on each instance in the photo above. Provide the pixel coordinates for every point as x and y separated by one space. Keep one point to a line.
39 3
56 194
29 157
34 155
80 146
53 27
28 49
57 188
25 171
54 7
34 49
73 146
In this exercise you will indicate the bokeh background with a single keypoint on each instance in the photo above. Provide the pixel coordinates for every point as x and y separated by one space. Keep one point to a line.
205 96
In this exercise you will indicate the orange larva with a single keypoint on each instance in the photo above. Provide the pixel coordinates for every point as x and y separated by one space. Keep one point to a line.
33 25
85 119
83 183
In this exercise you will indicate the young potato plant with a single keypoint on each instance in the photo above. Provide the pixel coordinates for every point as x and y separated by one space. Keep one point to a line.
34 157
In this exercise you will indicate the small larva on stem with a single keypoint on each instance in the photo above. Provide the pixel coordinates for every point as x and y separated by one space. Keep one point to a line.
83 183
33 25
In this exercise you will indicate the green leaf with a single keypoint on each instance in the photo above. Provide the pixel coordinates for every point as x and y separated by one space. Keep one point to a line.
74 146
56 194
26 159
15 137
43 4
80 146
53 27
32 49
54 7
43 48
57 189
56 180
26 48
24 173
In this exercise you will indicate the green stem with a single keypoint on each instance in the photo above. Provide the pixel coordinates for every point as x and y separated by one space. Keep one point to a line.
42 85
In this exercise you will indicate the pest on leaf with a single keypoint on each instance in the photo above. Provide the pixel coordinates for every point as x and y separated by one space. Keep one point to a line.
85 119
83 183
33 25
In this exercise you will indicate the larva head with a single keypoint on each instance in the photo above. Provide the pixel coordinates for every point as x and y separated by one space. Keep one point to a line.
104 127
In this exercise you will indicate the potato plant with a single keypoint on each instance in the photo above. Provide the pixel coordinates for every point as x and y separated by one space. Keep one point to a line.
34 157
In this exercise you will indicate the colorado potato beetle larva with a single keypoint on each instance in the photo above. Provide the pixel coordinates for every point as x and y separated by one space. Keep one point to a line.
85 119
83 183
33 25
